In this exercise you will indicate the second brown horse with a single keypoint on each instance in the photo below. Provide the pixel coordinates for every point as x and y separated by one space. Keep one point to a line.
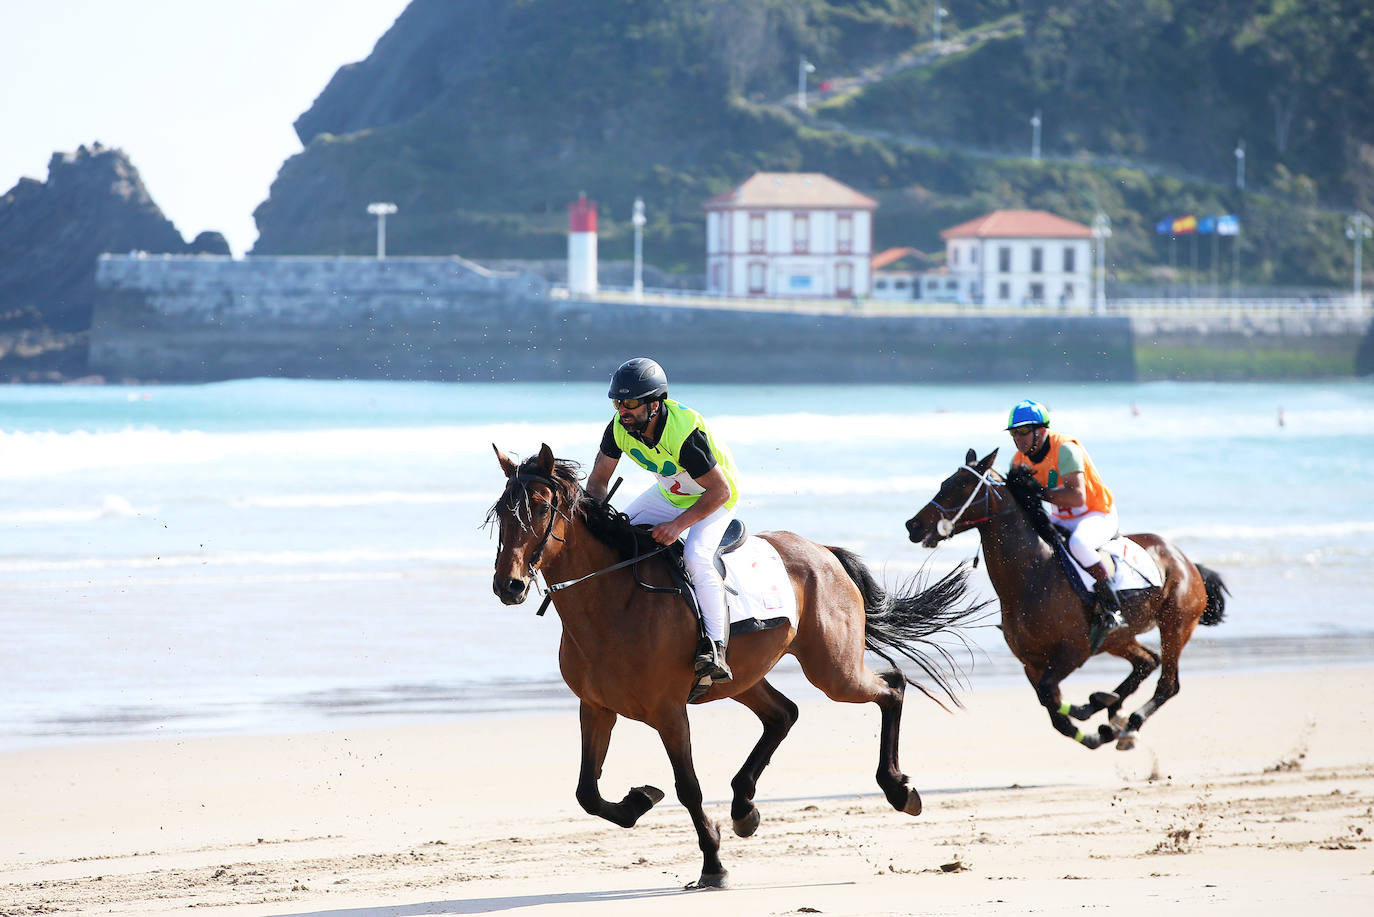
1044 621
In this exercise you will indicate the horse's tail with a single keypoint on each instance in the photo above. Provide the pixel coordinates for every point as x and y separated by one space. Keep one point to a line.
1216 596
899 624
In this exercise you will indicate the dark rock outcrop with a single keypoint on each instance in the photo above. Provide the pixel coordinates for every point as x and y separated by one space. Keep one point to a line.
52 232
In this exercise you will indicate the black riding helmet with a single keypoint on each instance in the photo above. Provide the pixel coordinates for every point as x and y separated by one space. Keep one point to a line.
639 378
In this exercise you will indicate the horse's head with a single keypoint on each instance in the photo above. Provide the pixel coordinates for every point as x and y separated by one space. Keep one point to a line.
963 501
531 519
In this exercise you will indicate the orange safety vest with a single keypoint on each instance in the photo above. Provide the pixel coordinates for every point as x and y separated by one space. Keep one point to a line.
1046 471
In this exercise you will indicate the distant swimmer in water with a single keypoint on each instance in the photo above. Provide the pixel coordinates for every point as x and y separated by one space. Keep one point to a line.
1280 416
1135 411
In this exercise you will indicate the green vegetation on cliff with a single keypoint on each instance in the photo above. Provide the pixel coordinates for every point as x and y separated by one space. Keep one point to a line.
482 119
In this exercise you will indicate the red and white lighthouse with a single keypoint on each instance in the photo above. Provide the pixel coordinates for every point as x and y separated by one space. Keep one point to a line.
582 246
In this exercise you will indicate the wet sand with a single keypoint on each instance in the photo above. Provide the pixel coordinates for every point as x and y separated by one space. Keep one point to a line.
1251 792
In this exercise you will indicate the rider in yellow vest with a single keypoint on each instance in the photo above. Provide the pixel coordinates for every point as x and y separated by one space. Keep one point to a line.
1082 503
696 490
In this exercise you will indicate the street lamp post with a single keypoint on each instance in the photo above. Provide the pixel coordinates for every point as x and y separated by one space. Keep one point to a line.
1102 231
1239 153
1035 135
940 13
381 210
804 67
1357 229
638 220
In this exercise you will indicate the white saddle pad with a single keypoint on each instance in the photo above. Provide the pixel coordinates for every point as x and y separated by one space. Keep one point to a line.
1135 568
757 585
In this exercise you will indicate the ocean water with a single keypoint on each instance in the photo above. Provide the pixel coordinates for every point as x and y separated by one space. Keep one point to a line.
279 554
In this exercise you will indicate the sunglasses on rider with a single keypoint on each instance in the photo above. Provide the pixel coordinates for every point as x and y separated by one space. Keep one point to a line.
629 404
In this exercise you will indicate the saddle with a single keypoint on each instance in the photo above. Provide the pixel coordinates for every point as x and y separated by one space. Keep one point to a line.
1128 567
734 536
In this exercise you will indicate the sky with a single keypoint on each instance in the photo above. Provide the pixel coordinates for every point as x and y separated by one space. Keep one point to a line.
201 94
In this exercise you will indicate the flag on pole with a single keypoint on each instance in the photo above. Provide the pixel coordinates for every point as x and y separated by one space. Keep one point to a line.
1185 225
1164 227
1207 225
1228 225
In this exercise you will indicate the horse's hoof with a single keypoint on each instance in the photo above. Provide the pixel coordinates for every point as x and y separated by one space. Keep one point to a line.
913 802
746 826
711 880
650 793
1103 699
1126 742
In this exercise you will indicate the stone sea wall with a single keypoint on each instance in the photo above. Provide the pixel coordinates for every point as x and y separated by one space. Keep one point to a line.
192 319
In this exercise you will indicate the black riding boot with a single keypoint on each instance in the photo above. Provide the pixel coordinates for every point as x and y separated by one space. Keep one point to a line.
711 662
1106 615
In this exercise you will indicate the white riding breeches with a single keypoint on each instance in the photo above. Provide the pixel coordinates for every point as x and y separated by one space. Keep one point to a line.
1090 531
698 553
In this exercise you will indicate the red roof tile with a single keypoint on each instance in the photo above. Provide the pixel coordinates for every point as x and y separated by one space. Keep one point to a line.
1018 224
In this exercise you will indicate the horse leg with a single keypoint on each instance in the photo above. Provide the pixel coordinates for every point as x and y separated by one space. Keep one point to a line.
894 783
1046 684
1143 661
676 733
777 714
1165 689
597 723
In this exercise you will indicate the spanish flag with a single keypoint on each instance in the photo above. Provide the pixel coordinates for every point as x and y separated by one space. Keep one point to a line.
1185 225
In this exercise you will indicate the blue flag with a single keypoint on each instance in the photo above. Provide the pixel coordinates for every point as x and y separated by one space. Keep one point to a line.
1207 225
1228 225
1165 227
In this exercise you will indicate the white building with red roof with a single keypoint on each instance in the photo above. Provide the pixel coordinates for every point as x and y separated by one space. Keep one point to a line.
789 234
1021 257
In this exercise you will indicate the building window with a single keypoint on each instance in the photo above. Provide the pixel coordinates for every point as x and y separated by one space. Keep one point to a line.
1004 260
844 234
801 233
881 284
1037 259
844 279
954 256
1004 290
715 278
757 237
756 275
951 284
1068 260
899 284
1067 296
1037 292
973 255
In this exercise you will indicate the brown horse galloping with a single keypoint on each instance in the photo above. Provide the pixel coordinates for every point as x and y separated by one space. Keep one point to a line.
628 652
1045 622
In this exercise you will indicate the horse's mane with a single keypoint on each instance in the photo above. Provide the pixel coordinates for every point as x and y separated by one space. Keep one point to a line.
1027 491
606 523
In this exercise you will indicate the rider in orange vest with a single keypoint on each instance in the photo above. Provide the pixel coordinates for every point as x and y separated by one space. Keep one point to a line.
1082 503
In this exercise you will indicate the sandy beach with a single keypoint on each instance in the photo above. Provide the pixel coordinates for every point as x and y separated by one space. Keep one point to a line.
1249 793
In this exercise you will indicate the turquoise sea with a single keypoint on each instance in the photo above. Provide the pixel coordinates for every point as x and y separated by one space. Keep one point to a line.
271 555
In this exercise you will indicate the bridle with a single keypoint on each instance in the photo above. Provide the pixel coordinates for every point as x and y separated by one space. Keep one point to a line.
986 481
523 479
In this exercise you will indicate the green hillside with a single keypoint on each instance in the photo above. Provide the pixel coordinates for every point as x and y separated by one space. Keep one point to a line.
482 119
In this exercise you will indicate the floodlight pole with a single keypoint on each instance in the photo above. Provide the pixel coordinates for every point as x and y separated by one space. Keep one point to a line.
381 210
638 220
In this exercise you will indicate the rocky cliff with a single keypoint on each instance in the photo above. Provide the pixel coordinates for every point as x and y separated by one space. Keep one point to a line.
51 233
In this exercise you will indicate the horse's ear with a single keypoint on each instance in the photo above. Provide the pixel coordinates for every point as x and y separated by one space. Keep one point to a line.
546 459
988 459
506 464
970 457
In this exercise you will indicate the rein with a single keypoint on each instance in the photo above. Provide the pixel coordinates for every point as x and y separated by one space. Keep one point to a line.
548 535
